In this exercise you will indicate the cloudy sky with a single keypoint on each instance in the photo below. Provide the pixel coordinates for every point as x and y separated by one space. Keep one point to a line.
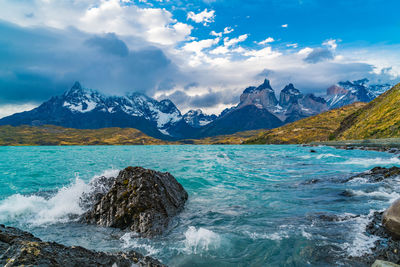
200 53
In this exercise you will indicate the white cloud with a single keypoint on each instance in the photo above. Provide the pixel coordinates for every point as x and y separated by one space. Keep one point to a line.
100 16
6 110
214 33
294 45
266 41
284 25
204 17
331 43
228 30
198 46
305 51
230 42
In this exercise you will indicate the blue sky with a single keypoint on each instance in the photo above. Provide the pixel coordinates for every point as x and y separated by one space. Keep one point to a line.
200 54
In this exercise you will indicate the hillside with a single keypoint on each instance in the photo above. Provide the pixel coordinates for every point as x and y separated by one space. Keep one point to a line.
378 119
231 139
317 128
55 135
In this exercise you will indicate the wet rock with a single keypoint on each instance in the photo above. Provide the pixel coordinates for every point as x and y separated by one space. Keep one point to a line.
100 186
379 263
391 219
385 248
140 200
377 174
19 248
346 193
335 218
312 181
313 151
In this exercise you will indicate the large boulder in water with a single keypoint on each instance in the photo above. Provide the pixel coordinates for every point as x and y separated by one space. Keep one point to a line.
19 248
391 219
140 200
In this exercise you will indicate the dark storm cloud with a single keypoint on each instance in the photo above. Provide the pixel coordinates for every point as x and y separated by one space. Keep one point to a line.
37 63
109 44
318 55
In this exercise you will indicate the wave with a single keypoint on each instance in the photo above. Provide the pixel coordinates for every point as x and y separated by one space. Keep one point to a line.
380 193
131 240
278 236
200 240
322 156
61 207
362 242
372 162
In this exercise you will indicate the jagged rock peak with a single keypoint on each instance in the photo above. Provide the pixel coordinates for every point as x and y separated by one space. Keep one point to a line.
291 89
336 90
265 85
77 87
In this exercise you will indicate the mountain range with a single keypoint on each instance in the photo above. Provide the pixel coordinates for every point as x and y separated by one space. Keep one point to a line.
358 121
259 108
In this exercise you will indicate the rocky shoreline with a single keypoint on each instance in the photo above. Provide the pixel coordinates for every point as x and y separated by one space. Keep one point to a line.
387 245
139 200
20 248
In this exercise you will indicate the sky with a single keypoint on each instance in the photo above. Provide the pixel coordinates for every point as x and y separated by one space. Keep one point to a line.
200 54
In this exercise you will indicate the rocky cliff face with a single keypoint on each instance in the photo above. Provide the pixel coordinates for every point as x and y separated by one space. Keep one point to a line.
19 248
141 200
348 92
289 95
262 96
197 119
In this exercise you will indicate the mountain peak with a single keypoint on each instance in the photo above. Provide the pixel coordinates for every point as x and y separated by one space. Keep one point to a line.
266 85
290 89
289 86
76 88
77 85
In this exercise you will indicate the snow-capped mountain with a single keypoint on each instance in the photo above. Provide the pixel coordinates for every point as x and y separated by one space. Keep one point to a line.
85 108
348 92
196 118
260 109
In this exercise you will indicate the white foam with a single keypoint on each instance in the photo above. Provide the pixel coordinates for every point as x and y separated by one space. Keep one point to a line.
38 210
362 243
380 193
322 156
131 240
200 240
372 162
274 236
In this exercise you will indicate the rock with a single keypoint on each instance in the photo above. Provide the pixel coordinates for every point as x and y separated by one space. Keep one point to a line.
391 219
313 151
379 263
19 248
100 186
385 247
377 174
140 200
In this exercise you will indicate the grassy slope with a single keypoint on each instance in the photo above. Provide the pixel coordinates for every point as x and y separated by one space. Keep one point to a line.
54 135
316 128
379 119
231 139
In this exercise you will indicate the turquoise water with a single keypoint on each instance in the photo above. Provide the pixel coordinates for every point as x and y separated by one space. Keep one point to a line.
248 205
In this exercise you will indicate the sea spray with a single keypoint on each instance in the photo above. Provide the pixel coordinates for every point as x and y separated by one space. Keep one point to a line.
63 206
201 240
